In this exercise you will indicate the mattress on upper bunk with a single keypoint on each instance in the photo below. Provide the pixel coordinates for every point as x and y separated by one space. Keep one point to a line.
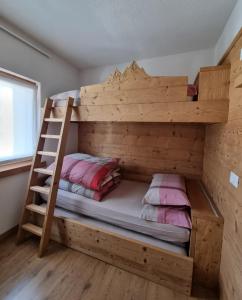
60 99
122 207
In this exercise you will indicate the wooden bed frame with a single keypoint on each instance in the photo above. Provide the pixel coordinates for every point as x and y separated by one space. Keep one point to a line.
172 270
136 97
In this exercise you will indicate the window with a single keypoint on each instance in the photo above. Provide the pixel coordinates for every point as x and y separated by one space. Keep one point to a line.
19 117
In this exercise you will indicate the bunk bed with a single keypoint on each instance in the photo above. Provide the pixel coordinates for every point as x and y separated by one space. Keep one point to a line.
133 96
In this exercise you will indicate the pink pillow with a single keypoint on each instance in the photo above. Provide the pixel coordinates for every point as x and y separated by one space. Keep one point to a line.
166 215
168 190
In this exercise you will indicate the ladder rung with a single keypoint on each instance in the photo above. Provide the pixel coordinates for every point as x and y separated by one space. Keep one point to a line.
44 171
40 189
37 208
46 153
50 136
56 120
33 229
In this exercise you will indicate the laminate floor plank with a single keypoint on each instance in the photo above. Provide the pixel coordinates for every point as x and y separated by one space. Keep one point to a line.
67 274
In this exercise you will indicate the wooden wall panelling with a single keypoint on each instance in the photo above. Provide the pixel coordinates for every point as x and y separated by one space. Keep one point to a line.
222 154
146 148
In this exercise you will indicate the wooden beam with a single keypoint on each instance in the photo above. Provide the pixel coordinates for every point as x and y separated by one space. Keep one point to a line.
215 111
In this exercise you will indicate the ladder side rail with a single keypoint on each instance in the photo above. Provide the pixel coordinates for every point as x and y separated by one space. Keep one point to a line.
56 177
36 161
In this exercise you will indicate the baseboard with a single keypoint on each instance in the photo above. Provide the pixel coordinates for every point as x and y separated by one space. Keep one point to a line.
8 233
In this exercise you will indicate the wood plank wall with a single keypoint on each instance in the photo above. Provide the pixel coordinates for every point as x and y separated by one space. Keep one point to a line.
223 153
146 148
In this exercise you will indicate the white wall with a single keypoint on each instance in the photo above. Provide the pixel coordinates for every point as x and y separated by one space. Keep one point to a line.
55 75
13 188
180 64
231 28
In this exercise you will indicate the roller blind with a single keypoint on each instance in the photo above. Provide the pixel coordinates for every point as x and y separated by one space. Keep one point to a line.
18 118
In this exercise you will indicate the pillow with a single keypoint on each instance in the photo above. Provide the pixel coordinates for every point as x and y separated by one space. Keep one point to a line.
87 170
167 189
83 191
166 215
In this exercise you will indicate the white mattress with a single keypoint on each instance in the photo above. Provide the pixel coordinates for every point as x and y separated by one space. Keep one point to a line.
60 99
60 212
122 207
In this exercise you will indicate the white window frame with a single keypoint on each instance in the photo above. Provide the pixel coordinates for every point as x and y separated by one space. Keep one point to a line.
19 77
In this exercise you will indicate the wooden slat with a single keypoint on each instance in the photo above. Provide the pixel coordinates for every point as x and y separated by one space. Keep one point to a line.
151 95
44 171
50 136
53 120
40 189
47 153
33 229
36 208
215 111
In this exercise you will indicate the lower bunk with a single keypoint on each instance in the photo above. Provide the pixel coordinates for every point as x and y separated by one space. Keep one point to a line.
176 262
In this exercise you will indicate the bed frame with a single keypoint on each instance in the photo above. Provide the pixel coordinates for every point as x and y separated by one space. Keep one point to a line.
134 96
172 270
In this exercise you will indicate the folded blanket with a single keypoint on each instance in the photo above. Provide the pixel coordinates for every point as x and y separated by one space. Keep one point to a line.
83 191
167 189
87 170
166 215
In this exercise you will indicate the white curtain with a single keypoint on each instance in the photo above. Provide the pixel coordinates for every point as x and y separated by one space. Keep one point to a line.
18 119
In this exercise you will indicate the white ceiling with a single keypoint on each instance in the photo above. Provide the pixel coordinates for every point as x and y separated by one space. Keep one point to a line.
92 33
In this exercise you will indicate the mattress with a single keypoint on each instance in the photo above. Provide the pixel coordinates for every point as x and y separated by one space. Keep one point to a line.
60 99
122 207
60 212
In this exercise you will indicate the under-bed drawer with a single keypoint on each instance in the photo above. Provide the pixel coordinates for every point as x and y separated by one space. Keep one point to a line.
161 266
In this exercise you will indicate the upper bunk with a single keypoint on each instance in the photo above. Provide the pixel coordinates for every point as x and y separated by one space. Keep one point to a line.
134 96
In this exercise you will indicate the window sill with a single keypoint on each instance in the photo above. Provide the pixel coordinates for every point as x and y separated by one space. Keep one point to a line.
15 168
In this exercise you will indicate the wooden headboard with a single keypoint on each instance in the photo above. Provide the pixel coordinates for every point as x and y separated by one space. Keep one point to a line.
135 86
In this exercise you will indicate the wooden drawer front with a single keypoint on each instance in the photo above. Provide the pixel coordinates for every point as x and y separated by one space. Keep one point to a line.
163 267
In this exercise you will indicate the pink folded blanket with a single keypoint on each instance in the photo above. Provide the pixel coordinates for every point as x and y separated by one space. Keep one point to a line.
166 215
87 170
88 193
168 190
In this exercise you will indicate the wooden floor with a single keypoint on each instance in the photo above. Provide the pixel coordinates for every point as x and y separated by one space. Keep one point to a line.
67 274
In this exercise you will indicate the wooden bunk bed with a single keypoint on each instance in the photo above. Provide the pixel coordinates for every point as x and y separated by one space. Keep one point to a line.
133 96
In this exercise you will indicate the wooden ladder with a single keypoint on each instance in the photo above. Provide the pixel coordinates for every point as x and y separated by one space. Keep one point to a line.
30 207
